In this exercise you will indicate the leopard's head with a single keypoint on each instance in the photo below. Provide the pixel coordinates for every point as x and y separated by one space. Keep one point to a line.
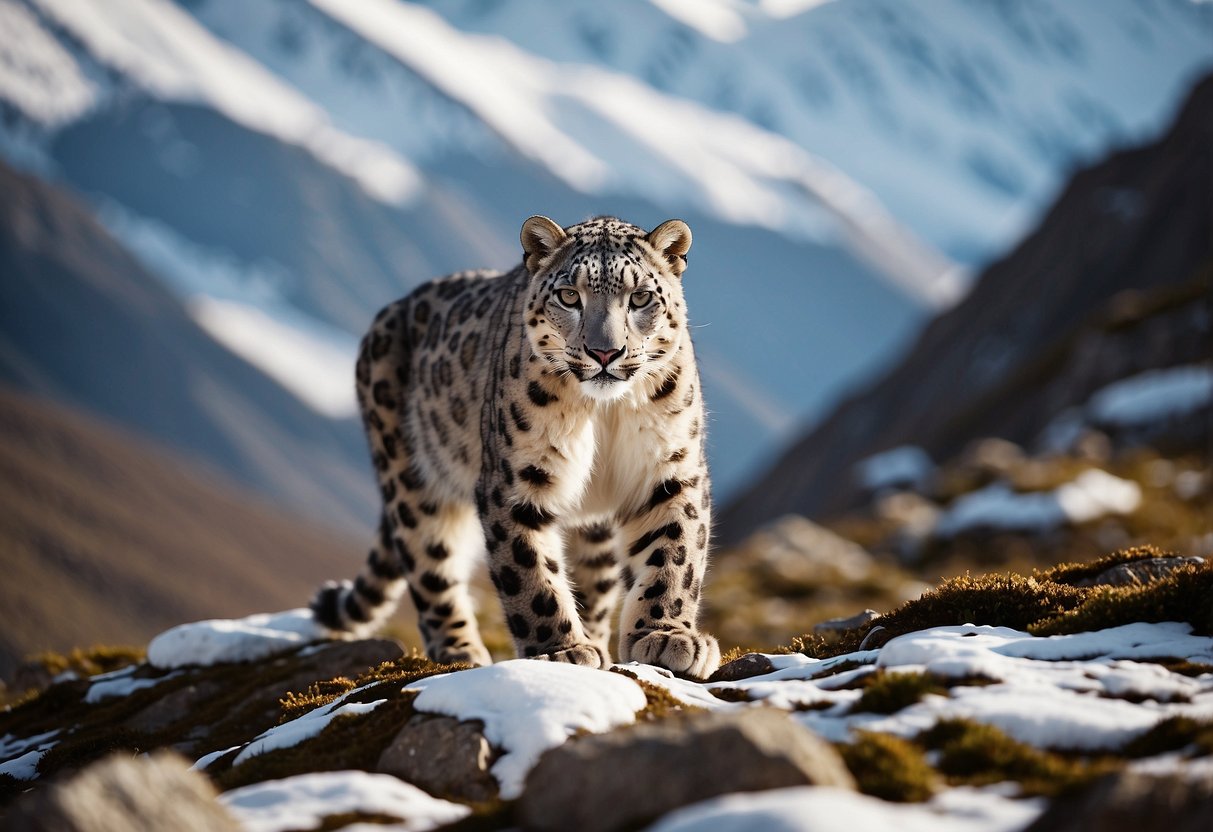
605 301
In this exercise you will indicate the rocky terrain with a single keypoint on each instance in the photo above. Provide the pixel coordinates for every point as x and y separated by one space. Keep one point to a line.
107 538
998 702
1114 283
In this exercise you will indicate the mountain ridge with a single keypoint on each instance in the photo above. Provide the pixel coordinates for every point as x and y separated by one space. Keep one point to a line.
1138 221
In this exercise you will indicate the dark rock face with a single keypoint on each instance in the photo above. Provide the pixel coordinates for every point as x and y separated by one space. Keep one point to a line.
125 794
444 756
192 710
259 706
1114 282
624 779
1135 802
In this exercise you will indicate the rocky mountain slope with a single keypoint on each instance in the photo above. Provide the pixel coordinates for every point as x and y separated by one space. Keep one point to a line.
289 166
1114 283
1074 697
82 322
108 538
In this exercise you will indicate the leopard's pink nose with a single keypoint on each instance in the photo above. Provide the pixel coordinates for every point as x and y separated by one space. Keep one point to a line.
604 357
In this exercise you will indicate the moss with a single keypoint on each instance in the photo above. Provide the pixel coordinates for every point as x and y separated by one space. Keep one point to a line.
735 653
1184 667
329 823
318 694
889 767
839 667
353 741
90 661
974 754
731 694
237 704
659 702
1183 595
1005 600
397 673
888 693
1044 603
809 644
1072 573
487 817
80 749
1174 734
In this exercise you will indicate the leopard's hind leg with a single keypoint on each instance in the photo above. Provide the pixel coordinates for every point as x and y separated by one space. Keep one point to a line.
425 542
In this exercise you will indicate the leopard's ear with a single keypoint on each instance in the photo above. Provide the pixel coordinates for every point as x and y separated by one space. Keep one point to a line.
540 237
672 240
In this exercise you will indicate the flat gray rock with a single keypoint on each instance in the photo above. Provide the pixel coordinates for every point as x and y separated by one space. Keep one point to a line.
626 778
122 793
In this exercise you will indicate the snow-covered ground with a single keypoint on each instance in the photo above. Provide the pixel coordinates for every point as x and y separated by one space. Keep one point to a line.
233 640
528 707
1090 691
820 809
304 801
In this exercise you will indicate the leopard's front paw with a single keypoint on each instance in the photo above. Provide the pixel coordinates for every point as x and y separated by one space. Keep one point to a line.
688 652
473 654
587 655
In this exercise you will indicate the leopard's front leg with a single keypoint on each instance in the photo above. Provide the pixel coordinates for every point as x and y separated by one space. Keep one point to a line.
519 509
667 555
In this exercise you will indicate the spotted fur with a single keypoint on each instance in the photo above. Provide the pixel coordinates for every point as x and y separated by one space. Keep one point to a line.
553 416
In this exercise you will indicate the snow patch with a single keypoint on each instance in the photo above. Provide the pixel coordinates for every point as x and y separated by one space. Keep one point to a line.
1094 493
37 75
827 809
303 728
1154 396
224 640
241 305
317 369
1064 692
720 20
906 466
303 801
162 49
528 707
19 756
119 683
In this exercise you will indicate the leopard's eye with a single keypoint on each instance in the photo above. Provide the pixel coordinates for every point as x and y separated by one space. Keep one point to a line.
640 300
569 297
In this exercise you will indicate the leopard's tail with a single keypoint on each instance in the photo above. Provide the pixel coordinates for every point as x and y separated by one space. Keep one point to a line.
359 608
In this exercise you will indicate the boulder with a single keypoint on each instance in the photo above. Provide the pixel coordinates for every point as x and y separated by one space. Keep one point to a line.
745 667
1139 571
443 756
1132 801
122 793
626 778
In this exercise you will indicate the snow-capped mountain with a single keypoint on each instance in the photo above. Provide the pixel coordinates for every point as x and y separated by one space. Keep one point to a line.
963 118
287 166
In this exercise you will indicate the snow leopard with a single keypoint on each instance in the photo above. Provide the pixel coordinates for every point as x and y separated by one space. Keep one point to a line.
551 416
